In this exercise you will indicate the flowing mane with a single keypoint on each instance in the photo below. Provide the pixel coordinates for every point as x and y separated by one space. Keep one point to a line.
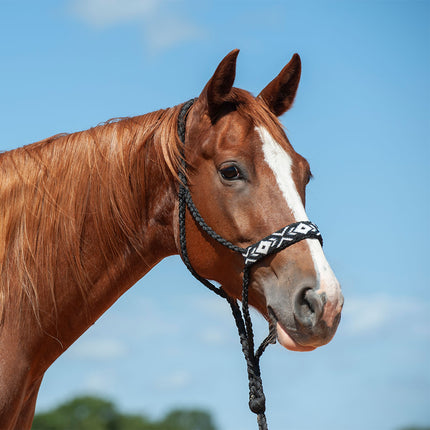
97 178
50 191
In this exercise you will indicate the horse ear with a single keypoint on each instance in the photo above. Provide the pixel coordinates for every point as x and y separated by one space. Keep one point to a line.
217 90
280 93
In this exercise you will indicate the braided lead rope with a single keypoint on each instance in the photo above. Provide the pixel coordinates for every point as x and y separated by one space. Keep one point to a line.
243 324
271 244
242 318
208 230
184 252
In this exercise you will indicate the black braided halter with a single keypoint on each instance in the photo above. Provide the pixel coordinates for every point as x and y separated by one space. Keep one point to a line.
269 245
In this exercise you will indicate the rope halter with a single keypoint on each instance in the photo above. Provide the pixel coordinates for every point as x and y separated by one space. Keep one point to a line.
271 244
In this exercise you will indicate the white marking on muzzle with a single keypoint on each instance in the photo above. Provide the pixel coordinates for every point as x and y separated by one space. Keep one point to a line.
281 164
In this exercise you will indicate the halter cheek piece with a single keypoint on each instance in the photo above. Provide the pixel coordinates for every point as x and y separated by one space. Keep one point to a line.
271 244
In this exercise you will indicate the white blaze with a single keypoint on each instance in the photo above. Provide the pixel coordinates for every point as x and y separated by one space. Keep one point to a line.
281 164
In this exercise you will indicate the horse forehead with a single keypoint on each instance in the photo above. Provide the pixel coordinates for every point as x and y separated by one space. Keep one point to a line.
238 132
229 135
281 159
275 145
235 130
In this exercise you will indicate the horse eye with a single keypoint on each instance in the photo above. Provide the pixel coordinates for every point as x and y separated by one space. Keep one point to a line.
230 173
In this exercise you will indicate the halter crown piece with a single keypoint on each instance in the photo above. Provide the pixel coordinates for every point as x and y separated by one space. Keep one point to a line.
272 244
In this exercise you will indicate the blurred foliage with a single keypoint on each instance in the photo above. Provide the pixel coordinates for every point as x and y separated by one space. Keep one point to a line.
94 413
415 428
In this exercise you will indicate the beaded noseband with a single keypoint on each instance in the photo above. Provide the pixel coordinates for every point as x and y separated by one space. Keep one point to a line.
271 244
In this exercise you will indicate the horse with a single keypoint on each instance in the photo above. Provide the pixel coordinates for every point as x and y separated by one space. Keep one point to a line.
84 216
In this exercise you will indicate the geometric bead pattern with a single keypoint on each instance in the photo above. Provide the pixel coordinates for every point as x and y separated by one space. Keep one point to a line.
281 239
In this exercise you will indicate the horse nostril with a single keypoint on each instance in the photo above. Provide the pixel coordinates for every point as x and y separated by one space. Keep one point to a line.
308 307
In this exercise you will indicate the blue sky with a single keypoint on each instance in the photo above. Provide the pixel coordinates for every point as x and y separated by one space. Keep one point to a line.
361 118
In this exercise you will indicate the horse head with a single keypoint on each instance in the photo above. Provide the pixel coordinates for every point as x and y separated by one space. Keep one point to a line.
247 181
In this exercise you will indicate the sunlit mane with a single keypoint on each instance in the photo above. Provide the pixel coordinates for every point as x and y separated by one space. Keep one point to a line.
52 191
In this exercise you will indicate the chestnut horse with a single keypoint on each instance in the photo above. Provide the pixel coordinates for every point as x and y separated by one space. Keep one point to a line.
84 216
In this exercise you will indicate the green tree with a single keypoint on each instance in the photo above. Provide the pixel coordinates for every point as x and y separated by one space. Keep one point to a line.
87 413
187 420
94 413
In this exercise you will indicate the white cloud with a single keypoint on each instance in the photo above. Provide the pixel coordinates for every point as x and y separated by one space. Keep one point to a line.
100 382
365 315
98 349
105 13
164 33
214 336
162 26
211 305
175 380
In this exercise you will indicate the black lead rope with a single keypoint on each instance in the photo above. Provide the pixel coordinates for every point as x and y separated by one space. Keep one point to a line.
269 245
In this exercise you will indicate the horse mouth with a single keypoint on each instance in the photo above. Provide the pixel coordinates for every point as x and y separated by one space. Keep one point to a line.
285 339
288 342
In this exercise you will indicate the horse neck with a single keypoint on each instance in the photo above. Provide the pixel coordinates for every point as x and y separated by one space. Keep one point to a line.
107 220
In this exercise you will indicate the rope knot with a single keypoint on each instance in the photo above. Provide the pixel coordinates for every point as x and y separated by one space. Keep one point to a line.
257 399
257 402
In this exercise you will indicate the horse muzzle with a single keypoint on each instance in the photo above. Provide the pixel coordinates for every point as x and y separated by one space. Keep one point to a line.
306 319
